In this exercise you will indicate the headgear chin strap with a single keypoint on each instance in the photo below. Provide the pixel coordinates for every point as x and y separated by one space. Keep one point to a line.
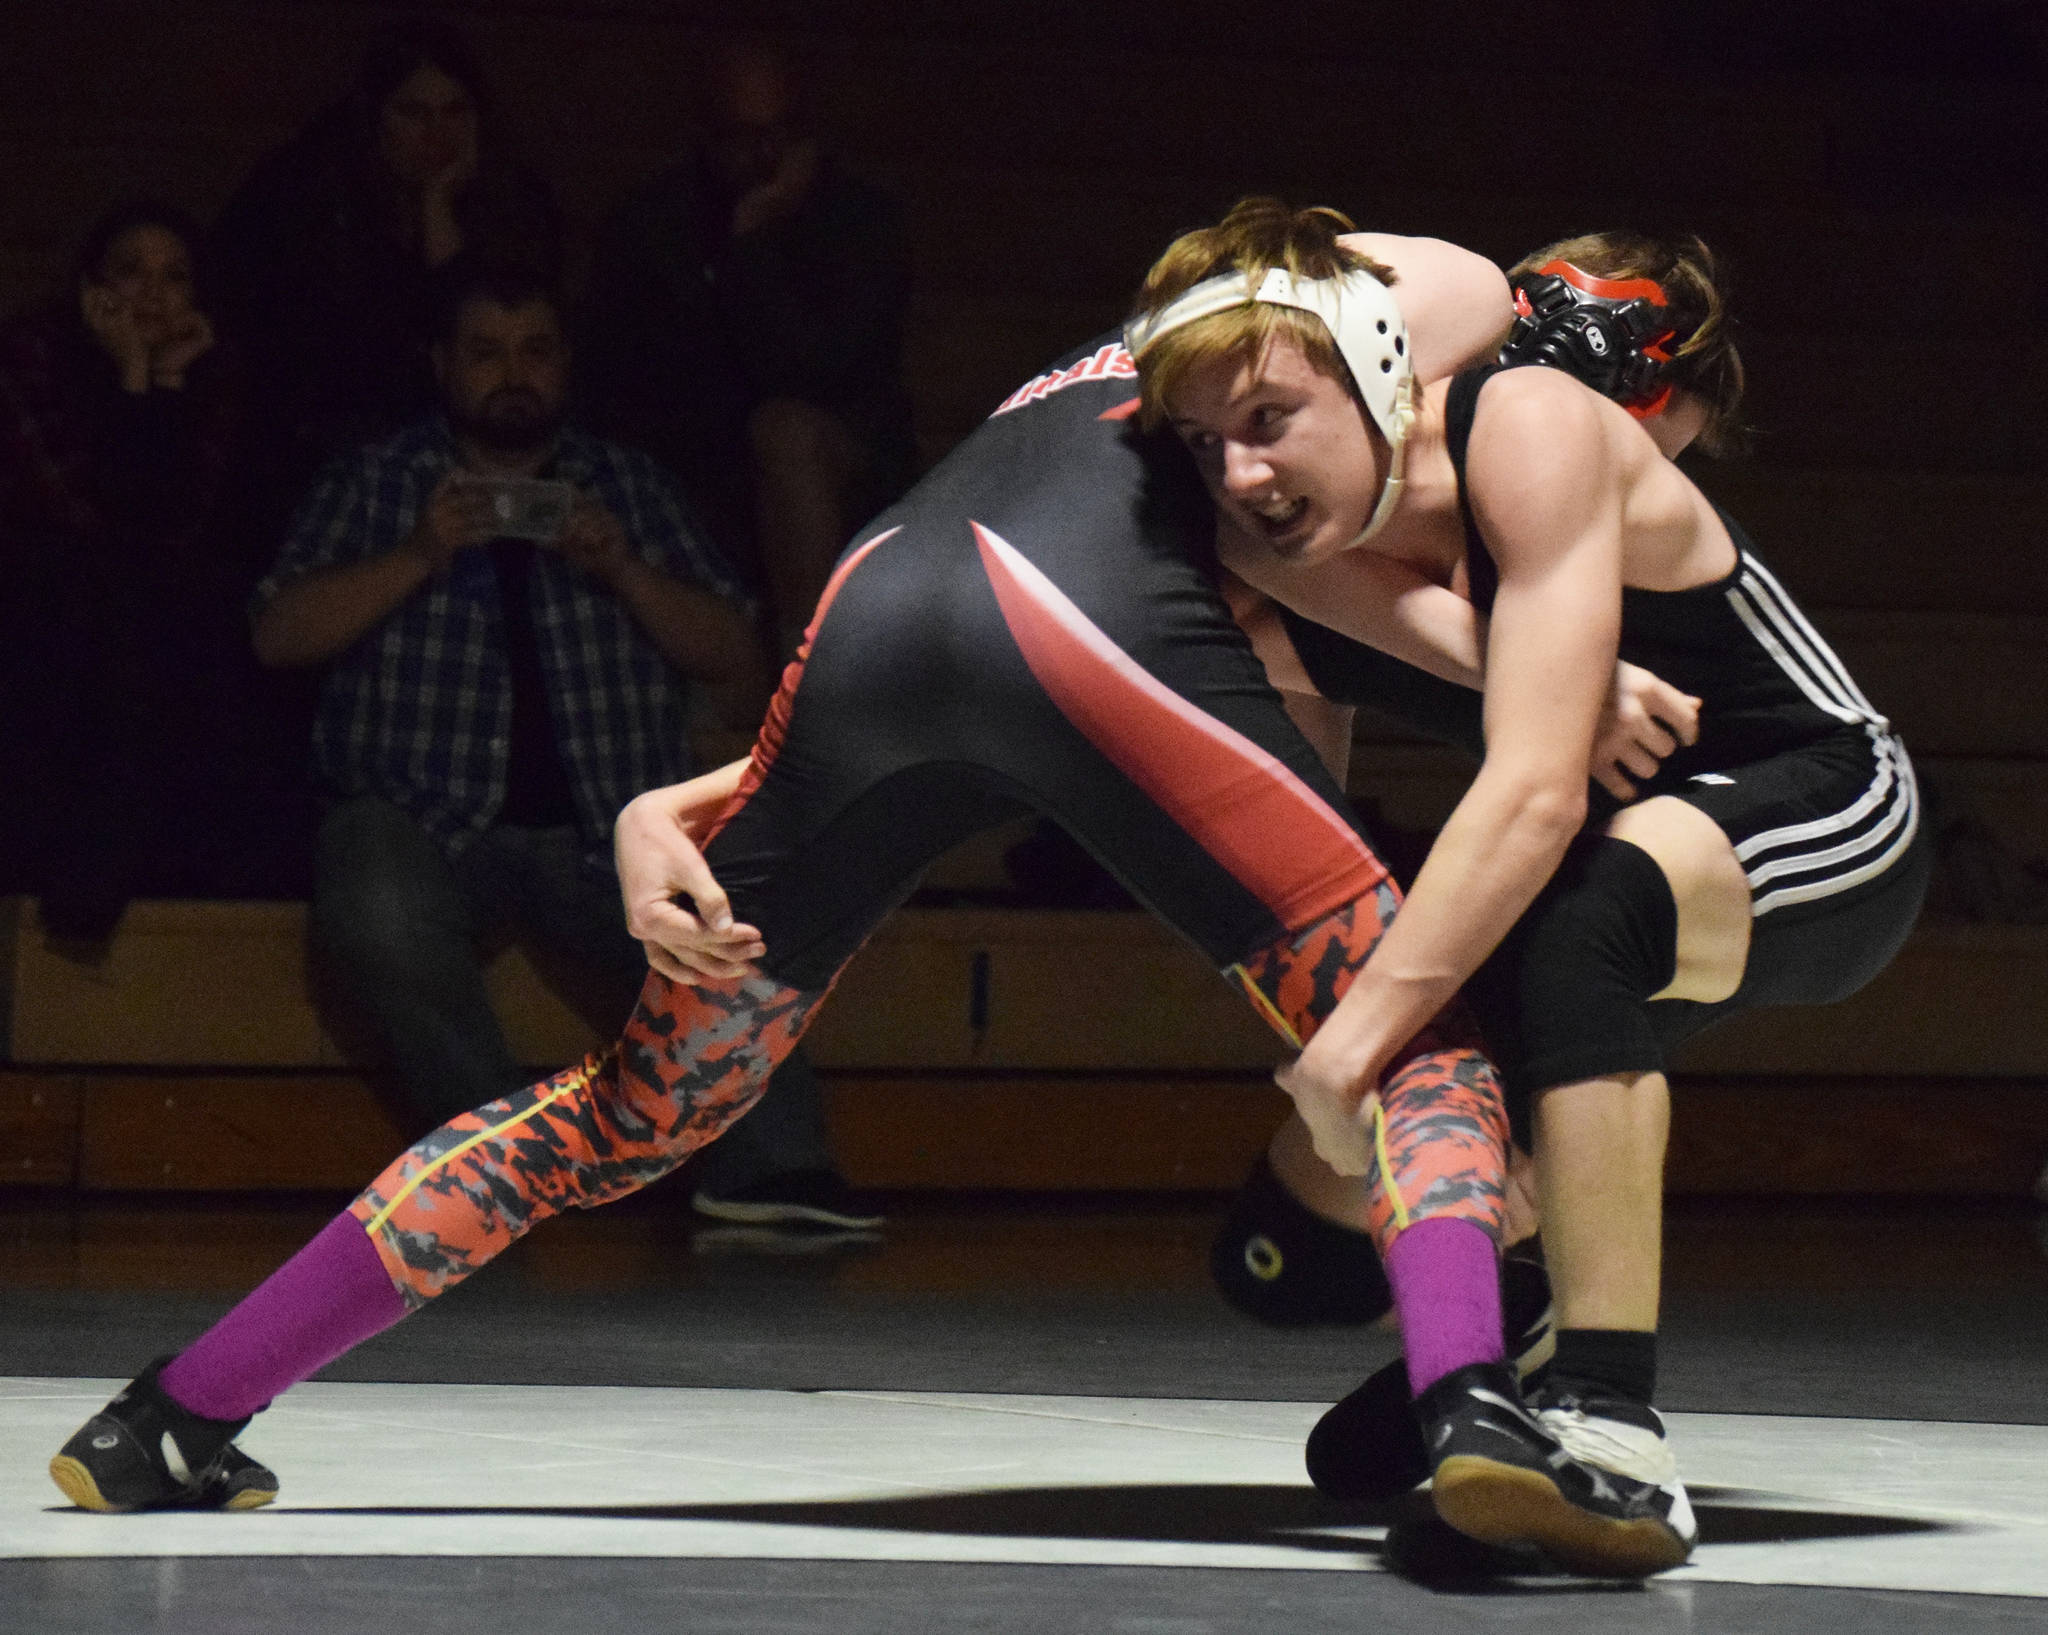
1363 319
1612 333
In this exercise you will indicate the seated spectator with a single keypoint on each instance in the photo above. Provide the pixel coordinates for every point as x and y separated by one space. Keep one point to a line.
512 614
127 747
327 251
746 324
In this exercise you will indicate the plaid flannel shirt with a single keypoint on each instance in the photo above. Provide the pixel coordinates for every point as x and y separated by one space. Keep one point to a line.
419 710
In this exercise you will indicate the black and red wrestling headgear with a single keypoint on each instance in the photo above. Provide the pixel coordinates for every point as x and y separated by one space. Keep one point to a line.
1615 334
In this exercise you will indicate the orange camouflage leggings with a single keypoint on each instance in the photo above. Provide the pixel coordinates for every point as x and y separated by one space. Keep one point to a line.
693 1059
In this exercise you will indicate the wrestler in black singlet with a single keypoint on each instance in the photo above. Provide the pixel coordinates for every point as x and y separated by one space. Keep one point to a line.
1792 763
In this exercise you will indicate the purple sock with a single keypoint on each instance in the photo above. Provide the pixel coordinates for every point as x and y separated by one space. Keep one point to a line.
1446 1278
331 1295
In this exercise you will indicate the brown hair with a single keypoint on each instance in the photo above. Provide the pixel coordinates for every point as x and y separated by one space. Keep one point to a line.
1706 362
1257 235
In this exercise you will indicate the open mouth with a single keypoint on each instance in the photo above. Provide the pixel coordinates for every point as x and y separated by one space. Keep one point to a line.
1279 520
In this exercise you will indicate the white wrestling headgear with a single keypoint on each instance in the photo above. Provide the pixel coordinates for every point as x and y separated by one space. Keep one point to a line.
1362 317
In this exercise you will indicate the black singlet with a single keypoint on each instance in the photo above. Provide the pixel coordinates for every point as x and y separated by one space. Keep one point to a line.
1792 762
1841 814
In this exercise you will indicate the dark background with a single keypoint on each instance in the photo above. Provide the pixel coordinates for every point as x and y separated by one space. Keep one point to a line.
1873 172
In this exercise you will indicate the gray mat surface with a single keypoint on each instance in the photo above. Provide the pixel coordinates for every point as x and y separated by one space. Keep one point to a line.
330 1595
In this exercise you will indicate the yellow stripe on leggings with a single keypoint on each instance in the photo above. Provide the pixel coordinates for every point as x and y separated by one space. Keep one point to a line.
1264 1006
581 1080
1379 1144
1267 1009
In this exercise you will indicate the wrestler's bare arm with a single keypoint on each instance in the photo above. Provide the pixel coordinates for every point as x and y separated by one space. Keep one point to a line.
1372 599
1458 304
1546 489
1388 605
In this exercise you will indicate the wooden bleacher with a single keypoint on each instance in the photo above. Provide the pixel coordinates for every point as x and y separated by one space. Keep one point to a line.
1895 485
1037 1050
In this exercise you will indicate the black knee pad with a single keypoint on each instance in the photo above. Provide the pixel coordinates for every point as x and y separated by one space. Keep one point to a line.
1279 1261
1565 995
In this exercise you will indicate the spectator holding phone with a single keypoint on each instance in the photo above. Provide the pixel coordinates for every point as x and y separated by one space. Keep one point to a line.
512 614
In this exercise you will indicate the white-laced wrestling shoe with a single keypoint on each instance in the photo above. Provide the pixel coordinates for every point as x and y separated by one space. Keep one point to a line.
1610 1435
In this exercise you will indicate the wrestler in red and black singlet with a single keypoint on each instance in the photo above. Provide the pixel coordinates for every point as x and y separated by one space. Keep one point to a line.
1035 628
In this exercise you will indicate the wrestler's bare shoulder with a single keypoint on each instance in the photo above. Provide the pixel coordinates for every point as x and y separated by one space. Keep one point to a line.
1542 426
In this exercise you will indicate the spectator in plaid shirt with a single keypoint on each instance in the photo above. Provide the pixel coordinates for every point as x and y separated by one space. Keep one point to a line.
491 701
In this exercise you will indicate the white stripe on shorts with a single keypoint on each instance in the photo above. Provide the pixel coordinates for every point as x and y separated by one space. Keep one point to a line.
1845 848
1849 863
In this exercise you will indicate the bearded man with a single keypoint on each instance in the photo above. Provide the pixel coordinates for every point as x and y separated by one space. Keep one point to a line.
512 614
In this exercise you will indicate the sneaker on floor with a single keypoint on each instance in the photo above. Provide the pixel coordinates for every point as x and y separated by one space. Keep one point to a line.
1369 1448
800 1197
1502 1477
806 1242
145 1452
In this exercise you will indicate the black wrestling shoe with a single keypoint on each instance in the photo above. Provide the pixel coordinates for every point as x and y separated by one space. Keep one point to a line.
1527 1319
145 1452
1499 1476
236 1482
1369 1448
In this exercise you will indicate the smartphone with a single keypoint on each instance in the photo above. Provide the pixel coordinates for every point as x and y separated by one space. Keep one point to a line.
525 507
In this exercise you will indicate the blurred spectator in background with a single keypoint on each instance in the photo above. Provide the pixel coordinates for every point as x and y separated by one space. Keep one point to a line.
512 614
327 251
129 758
746 325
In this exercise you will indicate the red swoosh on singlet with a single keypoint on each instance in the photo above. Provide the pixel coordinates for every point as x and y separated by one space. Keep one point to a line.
768 742
1243 806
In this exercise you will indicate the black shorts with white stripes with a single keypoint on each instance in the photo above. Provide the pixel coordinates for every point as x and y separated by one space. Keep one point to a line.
1814 822
1828 832
1838 865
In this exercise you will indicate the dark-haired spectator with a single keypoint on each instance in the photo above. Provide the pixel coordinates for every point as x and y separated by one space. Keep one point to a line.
512 614
327 251
131 763
746 323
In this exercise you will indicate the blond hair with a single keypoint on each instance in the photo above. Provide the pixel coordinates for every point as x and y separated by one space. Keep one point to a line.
1705 361
1257 235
